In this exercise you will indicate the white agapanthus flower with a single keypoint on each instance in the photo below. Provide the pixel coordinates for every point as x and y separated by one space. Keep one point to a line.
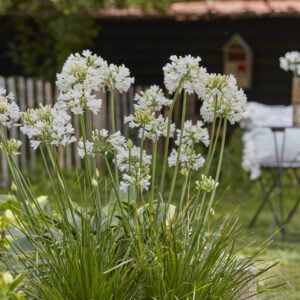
47 125
135 171
12 146
153 99
118 78
188 159
85 148
206 184
193 134
291 62
185 73
9 110
140 117
116 140
101 142
81 77
223 93
156 128
146 117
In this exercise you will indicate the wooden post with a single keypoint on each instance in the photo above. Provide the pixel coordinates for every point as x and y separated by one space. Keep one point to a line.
296 100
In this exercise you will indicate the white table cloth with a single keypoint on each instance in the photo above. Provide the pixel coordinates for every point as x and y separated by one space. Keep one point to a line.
259 145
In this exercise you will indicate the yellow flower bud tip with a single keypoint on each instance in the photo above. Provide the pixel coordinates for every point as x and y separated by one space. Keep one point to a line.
7 278
97 173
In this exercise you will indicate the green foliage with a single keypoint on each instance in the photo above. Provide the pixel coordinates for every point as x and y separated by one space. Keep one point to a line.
45 32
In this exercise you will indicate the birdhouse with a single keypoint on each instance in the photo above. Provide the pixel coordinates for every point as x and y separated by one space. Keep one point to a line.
238 61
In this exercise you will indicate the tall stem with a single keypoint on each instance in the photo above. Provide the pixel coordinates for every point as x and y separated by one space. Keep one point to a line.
113 128
218 168
154 150
166 150
186 180
86 159
214 143
141 157
179 147
212 135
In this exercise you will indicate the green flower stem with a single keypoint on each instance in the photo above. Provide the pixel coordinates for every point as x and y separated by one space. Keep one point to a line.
154 150
141 158
113 128
24 193
64 193
179 147
218 168
86 159
129 170
185 181
93 159
214 143
166 150
127 226
209 154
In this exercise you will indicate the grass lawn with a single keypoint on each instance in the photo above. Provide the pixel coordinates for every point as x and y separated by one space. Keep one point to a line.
287 254
241 200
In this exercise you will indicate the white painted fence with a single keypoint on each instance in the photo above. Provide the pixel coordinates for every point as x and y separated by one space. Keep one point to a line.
29 92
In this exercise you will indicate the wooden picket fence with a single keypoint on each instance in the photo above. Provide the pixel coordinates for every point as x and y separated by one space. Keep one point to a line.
30 92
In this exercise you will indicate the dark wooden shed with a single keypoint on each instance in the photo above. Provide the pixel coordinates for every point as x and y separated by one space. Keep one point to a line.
144 42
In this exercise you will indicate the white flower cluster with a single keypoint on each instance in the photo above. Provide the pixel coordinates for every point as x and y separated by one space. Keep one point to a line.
12 146
153 99
156 129
291 62
135 171
223 97
101 143
145 117
140 117
193 134
47 125
185 73
9 110
190 136
118 77
189 159
84 75
206 184
81 76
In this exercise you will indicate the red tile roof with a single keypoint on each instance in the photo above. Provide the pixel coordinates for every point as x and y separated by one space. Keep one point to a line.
212 9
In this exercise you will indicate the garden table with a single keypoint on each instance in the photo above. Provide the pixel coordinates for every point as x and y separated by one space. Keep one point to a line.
279 166
279 152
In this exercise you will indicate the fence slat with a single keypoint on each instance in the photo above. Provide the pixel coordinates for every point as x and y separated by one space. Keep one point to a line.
48 93
39 92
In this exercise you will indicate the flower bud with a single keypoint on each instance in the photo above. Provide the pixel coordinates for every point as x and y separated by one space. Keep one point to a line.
129 144
7 278
13 187
94 182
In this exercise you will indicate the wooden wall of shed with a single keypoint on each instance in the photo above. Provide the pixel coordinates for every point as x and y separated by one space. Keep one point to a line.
145 45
